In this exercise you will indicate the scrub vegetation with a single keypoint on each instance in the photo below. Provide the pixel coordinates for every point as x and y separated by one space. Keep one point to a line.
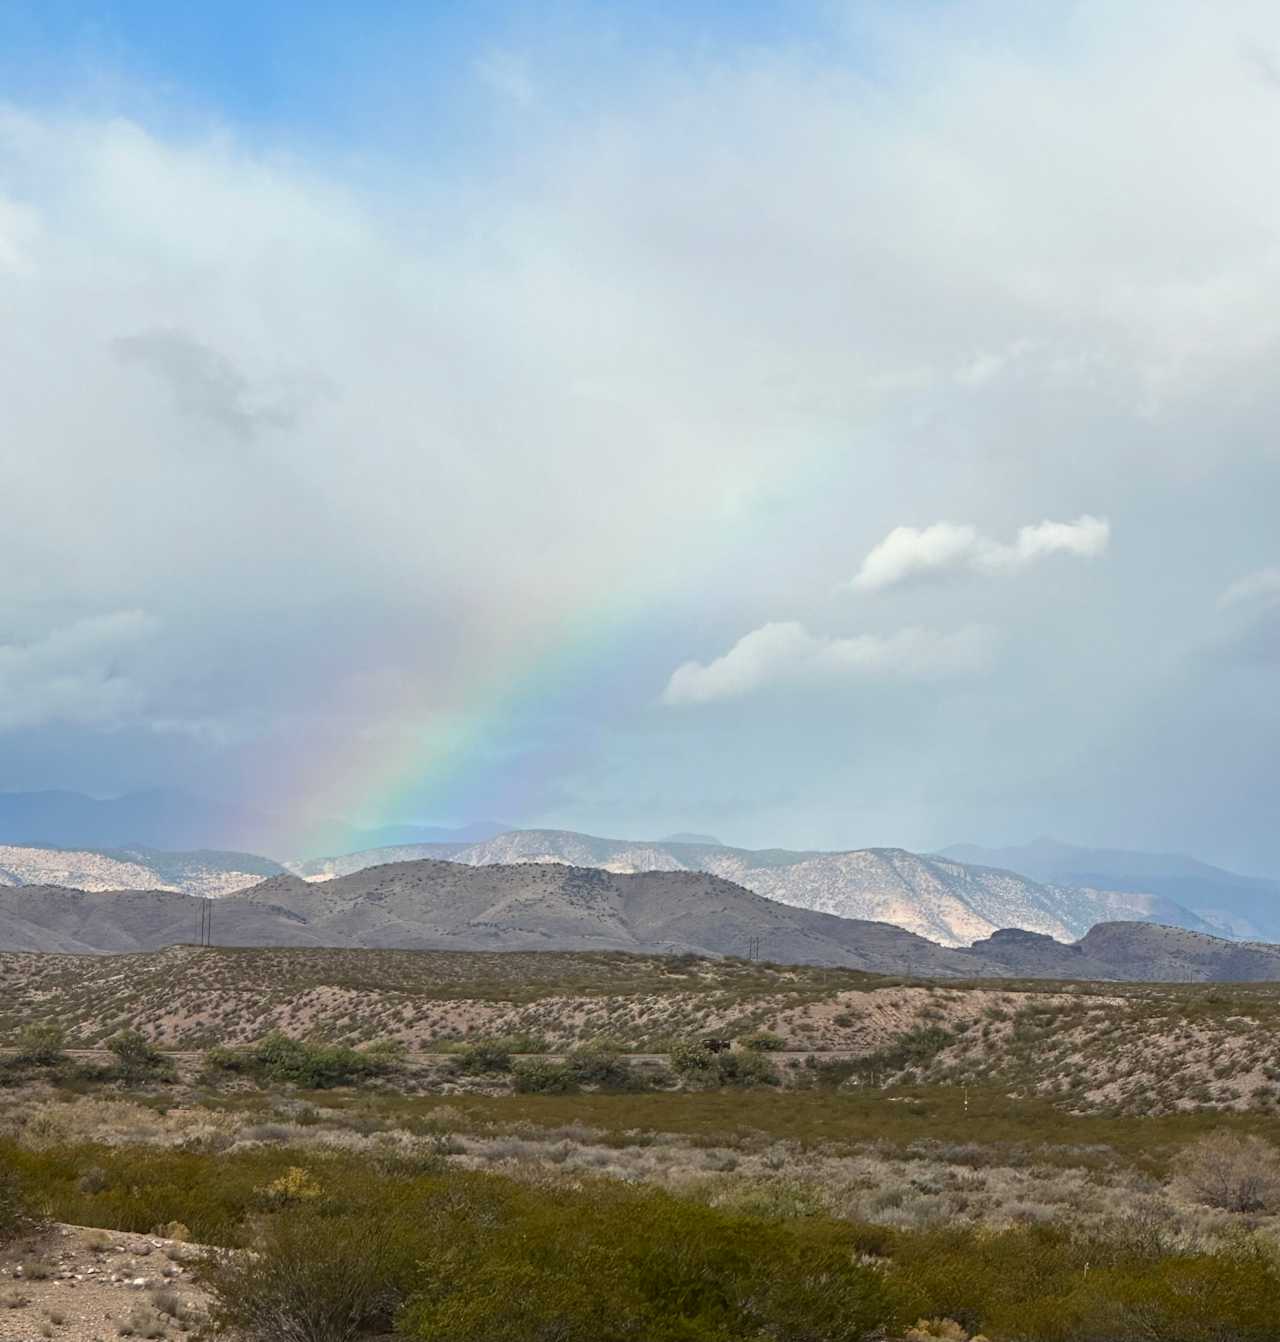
932 1181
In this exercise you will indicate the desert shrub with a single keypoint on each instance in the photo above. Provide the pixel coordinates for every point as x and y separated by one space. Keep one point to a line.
607 1264
301 1062
222 1059
15 1207
603 1069
744 1069
1231 1171
691 1058
137 1059
41 1045
597 1068
539 1077
1053 1284
478 1256
313 1278
521 1041
763 1041
914 1048
482 1058
145 1323
295 1185
694 1061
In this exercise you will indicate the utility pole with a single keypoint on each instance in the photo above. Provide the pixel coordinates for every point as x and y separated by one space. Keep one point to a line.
753 948
204 936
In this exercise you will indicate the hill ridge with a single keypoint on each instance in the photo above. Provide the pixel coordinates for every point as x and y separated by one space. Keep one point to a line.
949 902
436 905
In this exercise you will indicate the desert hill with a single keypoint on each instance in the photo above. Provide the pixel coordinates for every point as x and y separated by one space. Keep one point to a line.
1132 1048
437 905
949 902
443 905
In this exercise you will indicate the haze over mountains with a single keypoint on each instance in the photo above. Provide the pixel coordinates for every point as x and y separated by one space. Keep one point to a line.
953 898
1244 906
947 901
169 818
199 873
434 905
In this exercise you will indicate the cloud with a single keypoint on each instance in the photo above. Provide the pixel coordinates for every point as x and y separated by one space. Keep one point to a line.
643 355
1261 585
908 553
205 384
786 653
74 674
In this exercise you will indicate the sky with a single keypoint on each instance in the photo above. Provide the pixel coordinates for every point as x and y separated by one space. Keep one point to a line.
819 425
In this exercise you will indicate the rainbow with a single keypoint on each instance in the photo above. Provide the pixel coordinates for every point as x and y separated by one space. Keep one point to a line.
415 766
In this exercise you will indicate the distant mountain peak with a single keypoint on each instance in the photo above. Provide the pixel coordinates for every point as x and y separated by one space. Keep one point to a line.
704 840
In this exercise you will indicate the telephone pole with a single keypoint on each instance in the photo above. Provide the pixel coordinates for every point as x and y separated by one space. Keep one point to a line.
204 935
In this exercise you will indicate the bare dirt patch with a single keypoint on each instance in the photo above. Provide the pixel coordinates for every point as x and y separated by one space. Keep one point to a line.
79 1284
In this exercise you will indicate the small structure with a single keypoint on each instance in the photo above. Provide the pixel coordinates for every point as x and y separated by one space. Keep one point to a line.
717 1045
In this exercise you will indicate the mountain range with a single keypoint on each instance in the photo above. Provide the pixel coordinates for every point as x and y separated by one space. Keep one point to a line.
1242 906
952 897
199 873
435 905
169 818
950 902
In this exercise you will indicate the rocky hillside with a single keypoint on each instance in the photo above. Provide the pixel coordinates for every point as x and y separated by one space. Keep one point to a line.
950 902
199 873
553 907
1231 904
444 905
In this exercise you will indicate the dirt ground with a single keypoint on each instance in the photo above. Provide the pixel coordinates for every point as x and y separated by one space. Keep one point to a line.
82 1285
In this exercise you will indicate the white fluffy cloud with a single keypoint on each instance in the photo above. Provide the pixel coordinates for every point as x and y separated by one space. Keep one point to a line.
74 674
786 653
908 553
1261 585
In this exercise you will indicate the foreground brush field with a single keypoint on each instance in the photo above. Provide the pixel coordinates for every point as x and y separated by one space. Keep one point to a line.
523 1147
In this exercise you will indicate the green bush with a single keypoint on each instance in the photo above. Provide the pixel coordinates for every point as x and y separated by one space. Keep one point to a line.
483 1058
603 1069
137 1060
744 1069
1050 1284
691 1058
609 1264
340 1239
41 1045
539 1077
522 1041
763 1041
914 1048
15 1210
313 1278
694 1061
595 1068
815 1071
300 1062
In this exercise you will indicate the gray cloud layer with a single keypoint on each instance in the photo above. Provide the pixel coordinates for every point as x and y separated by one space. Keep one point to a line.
482 457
